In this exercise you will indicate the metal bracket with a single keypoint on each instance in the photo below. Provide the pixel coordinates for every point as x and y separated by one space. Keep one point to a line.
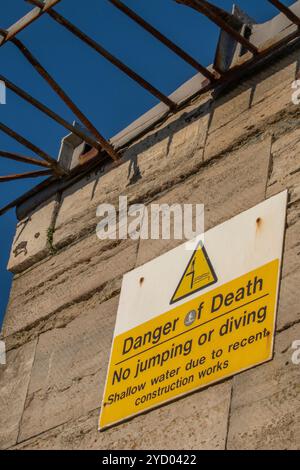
229 49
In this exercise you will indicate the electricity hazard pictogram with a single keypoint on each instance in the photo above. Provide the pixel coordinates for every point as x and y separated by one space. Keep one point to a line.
198 275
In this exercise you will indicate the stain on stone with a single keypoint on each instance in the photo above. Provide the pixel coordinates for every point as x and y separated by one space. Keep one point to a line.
259 223
21 248
134 172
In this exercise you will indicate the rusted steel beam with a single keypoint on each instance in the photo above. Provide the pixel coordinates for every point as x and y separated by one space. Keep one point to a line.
66 99
32 192
88 156
30 174
44 109
21 24
22 140
286 11
162 38
238 71
75 175
108 56
20 158
215 15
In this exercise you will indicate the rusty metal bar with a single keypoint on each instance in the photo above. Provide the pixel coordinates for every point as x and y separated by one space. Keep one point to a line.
22 140
286 11
74 176
108 56
88 156
235 73
238 71
212 12
30 174
33 15
21 199
66 99
44 109
9 206
162 38
20 158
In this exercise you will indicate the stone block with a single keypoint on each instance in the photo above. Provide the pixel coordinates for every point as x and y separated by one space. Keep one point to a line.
72 275
270 100
196 422
31 242
77 213
286 166
227 187
69 372
289 311
230 106
150 164
279 75
14 380
265 409
65 315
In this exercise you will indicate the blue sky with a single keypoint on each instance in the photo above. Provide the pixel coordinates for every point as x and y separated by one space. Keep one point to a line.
110 99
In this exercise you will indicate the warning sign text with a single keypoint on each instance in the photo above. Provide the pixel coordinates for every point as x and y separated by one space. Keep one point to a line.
208 338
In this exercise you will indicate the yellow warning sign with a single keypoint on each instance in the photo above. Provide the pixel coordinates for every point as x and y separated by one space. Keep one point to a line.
198 275
213 336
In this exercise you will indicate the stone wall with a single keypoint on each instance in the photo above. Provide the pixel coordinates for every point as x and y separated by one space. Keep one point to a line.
230 151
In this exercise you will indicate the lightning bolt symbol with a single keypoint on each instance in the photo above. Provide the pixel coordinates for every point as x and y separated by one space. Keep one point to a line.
192 272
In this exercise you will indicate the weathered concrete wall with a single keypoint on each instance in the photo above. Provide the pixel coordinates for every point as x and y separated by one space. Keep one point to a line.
229 152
